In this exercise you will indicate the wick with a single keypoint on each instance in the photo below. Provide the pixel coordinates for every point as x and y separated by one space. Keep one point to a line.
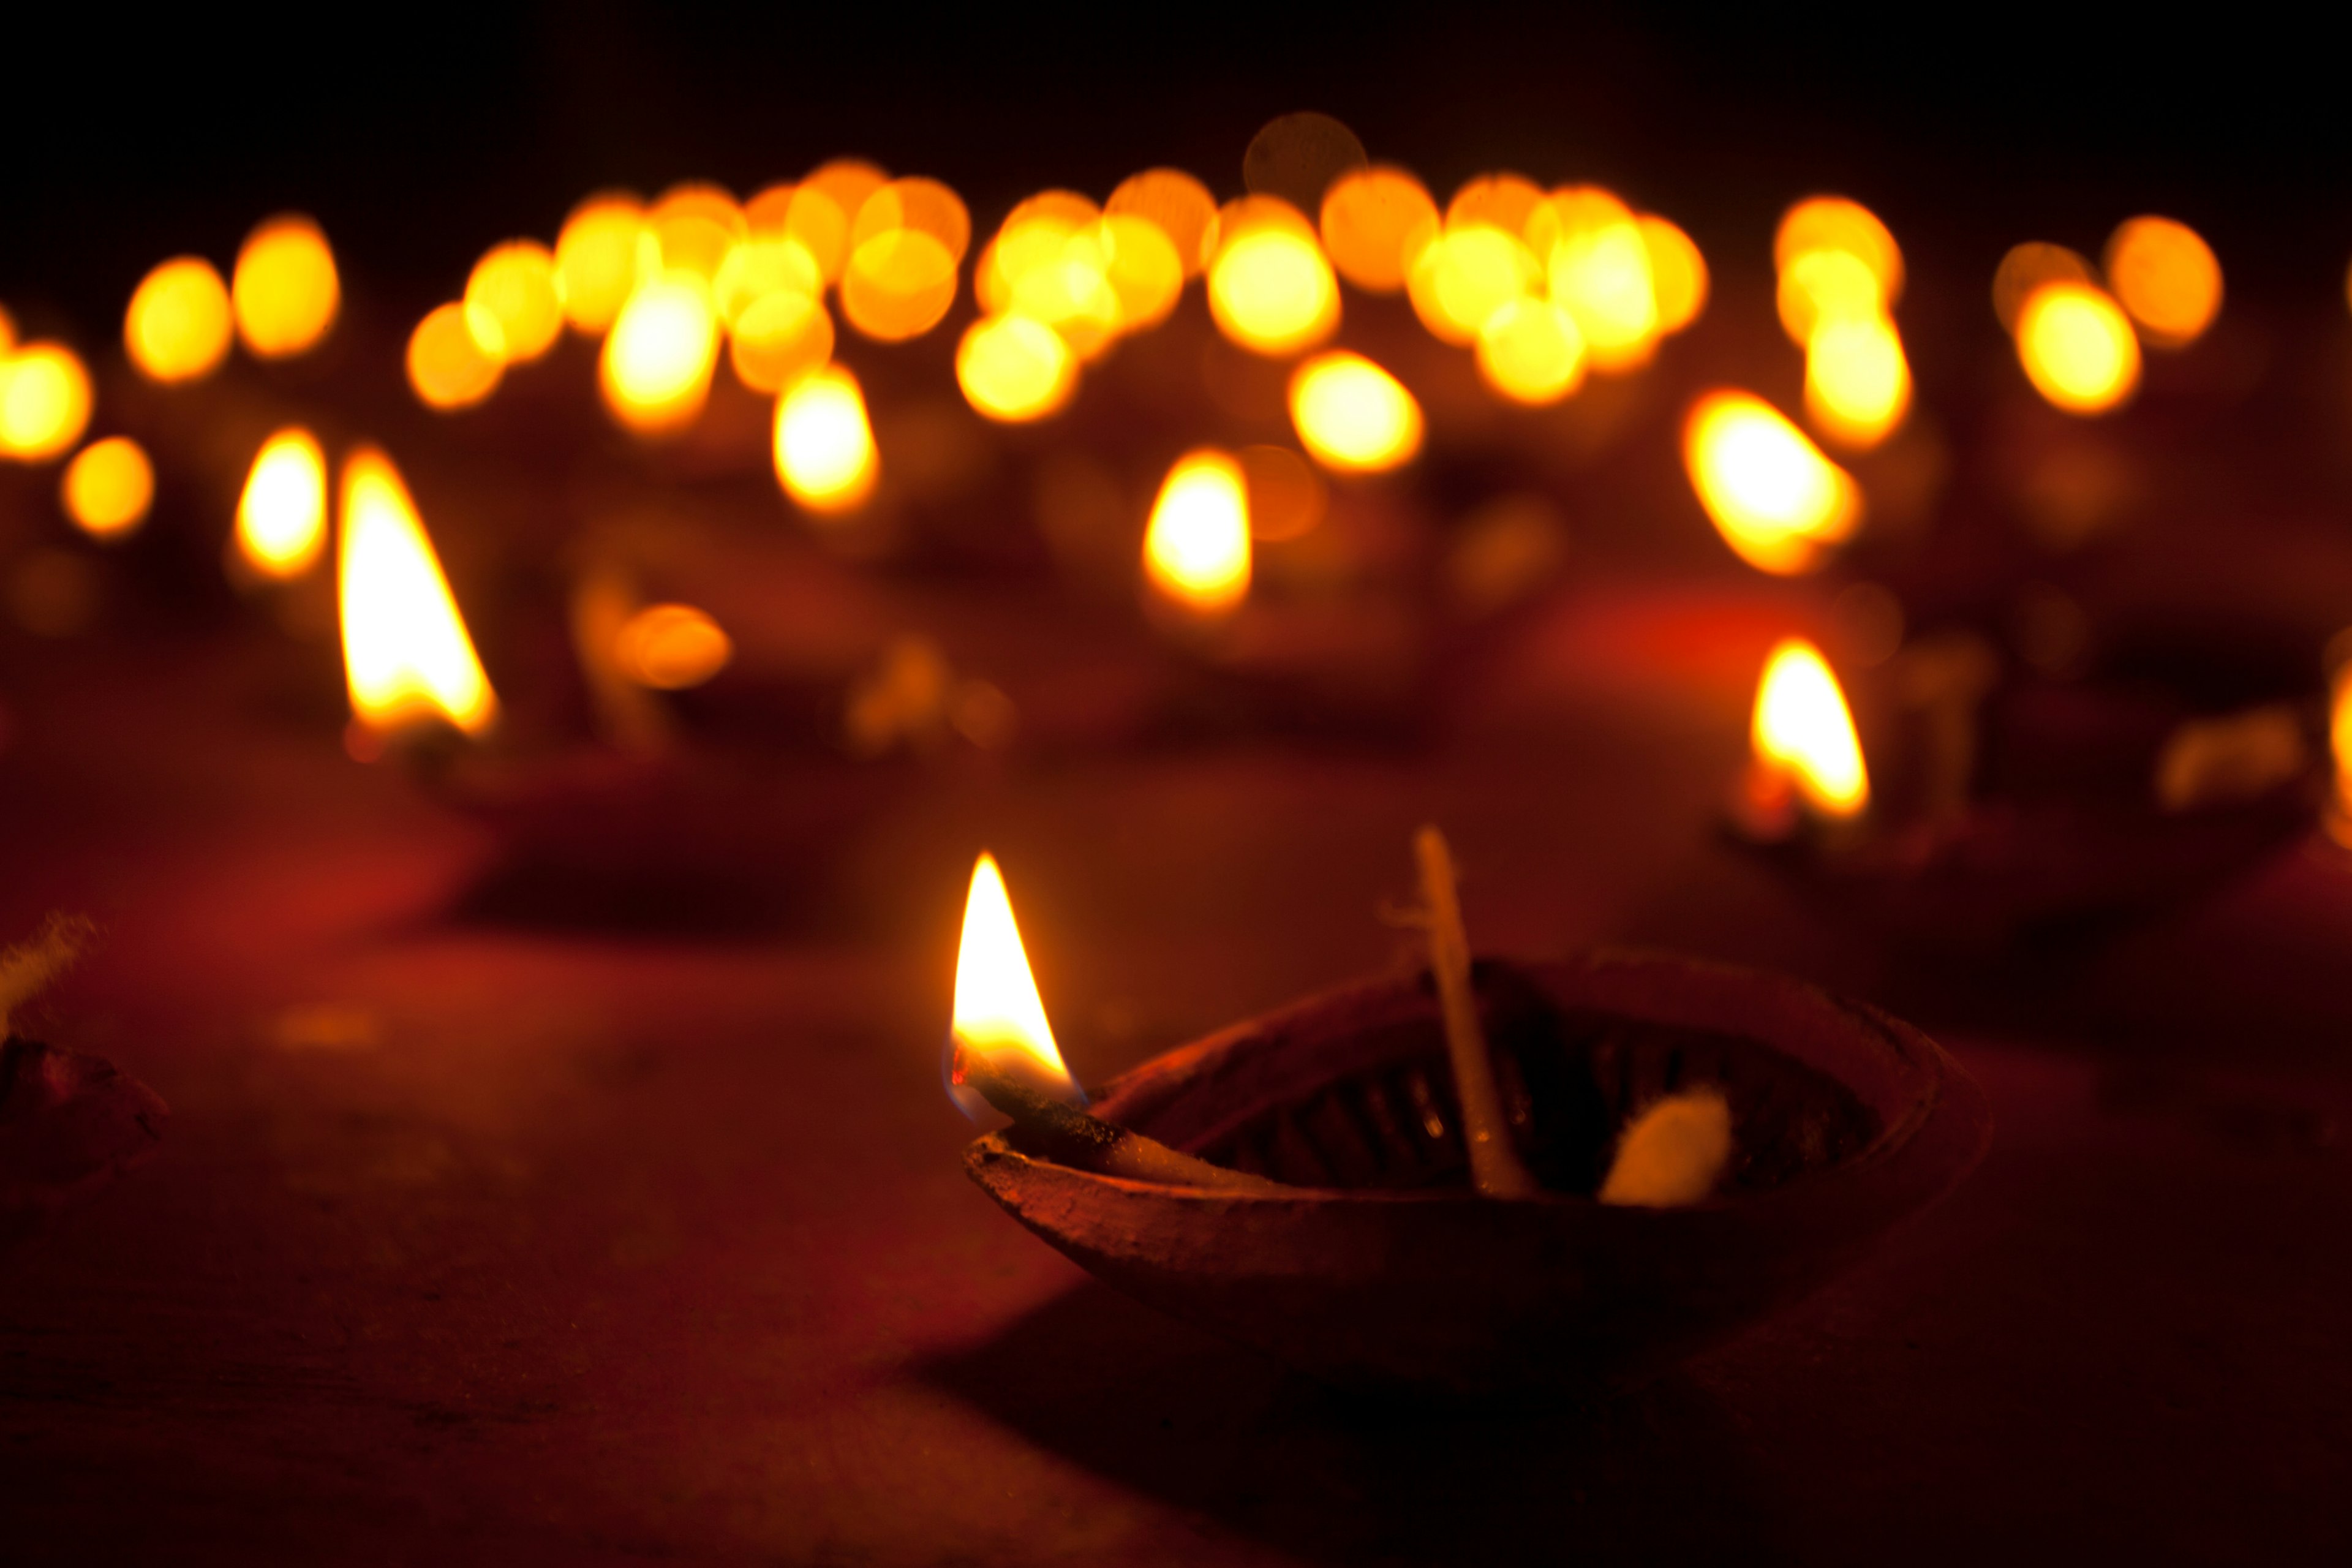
1495 1168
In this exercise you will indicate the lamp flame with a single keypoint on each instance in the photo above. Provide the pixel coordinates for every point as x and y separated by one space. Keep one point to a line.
2340 738
1777 501
281 518
406 652
1196 551
998 1013
1804 733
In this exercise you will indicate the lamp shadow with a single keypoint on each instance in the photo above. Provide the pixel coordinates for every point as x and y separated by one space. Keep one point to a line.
1653 1475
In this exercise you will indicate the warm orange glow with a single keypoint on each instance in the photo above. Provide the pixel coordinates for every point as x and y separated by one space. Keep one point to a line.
1464 275
780 337
825 447
1804 732
1287 497
598 255
1599 272
8 331
926 207
899 284
1835 223
1677 272
45 401
1777 501
2340 744
846 183
2027 268
1013 369
1352 415
998 1016
177 327
1270 288
2166 276
1375 222
448 368
1054 262
109 487
695 225
1823 286
281 518
1141 267
814 221
671 648
2077 348
514 284
764 265
1511 202
1196 550
1857 381
656 369
1180 206
286 288
406 655
1530 352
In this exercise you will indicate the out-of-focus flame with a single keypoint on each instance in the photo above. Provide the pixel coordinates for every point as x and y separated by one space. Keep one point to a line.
599 253
2028 266
1270 289
406 655
177 327
671 648
1375 223
2166 277
1835 225
1775 498
843 184
2077 348
1804 733
899 284
998 1016
824 445
514 284
7 332
694 226
449 366
1600 271
654 372
1677 272
286 289
779 338
109 487
281 518
1013 369
1352 415
1461 277
45 400
1531 351
1143 268
1820 287
1179 206
1857 381
2339 730
1196 550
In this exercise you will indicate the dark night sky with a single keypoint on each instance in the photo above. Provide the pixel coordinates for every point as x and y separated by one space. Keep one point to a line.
421 134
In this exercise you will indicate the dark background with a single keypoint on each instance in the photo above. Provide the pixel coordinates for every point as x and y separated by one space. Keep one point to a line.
419 134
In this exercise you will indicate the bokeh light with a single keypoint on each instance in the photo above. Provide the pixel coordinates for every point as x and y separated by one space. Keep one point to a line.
1531 351
671 646
286 289
281 517
178 327
1857 381
1511 202
654 372
407 654
1679 280
1353 416
1375 222
1142 268
824 206
764 265
2028 266
448 368
695 225
781 337
1600 273
2167 278
2077 348
1271 289
924 205
598 255
899 284
824 445
1196 549
514 284
1465 275
1847 227
1823 286
1775 498
1802 730
1013 368
45 402
1180 206
109 487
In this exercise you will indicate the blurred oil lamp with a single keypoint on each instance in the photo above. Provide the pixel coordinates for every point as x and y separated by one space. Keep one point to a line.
1177 205
177 327
1531 350
1599 271
599 253
1196 547
286 290
1840 273
2078 347
407 659
449 366
824 450
109 487
906 243
45 402
2167 278
1013 368
1314 1183
1775 498
1352 415
655 372
1375 223
1271 289
515 285
1805 756
282 514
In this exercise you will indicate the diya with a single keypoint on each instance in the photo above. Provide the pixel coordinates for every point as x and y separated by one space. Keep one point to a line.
1309 1184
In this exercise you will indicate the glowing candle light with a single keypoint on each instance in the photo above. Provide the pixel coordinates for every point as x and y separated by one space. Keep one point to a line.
599 253
1857 381
1833 224
1530 352
1141 269
654 372
1196 550
999 1015
2167 278
761 266
1179 206
45 402
1677 272
281 517
898 285
2077 348
671 646
406 655
109 487
177 327
2340 745
1802 732
449 366
780 337
1824 286
1775 498
2028 266
286 290
824 445
1013 368
1464 275
514 284
1375 222
1600 273
1352 415
694 226
1271 289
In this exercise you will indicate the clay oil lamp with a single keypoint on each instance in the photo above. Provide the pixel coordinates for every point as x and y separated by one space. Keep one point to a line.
1489 1181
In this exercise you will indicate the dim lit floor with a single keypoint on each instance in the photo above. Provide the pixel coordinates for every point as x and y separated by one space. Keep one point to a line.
479 1235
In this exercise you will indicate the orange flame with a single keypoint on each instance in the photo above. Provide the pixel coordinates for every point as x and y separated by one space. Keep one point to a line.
999 1015
1775 498
406 652
1804 733
281 518
1196 550
2341 735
